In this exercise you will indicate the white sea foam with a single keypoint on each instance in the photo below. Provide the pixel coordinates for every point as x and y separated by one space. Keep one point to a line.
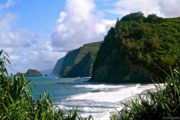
111 96
101 86
106 99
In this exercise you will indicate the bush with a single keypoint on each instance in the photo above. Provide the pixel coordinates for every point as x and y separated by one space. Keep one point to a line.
162 104
16 100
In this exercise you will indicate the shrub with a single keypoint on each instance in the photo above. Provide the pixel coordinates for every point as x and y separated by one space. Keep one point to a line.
16 100
162 104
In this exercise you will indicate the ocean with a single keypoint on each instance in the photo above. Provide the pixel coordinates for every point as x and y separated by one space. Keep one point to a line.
98 100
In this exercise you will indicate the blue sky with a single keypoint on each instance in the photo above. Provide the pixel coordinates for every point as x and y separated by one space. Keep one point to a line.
36 33
36 15
40 15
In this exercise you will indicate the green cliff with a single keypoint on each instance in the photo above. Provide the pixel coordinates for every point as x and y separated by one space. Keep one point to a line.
137 48
58 66
78 62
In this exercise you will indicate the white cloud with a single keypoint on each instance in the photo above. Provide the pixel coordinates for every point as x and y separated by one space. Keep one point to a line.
80 23
10 37
26 49
6 5
37 56
170 8
164 8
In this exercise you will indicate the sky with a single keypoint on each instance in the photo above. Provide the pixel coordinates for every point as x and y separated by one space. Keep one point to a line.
36 33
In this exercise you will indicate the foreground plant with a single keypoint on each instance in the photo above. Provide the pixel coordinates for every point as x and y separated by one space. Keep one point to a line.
17 103
162 104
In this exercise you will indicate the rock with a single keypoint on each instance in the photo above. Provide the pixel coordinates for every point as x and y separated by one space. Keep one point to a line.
32 72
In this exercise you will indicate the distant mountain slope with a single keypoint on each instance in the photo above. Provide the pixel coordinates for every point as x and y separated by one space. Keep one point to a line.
58 66
78 62
137 48
83 68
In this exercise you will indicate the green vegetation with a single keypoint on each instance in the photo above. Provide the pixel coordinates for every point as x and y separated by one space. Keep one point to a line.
78 62
29 73
133 51
17 103
136 48
32 72
58 66
159 105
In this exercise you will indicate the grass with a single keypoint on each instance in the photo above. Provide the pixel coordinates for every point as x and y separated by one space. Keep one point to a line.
16 102
159 105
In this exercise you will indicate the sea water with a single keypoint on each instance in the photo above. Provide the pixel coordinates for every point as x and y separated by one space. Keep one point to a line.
98 100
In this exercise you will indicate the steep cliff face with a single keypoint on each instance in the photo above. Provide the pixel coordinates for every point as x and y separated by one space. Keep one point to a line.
69 61
137 48
83 68
58 66
78 62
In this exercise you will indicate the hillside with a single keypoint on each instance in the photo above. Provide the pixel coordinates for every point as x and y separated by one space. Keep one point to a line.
78 62
58 66
137 48
32 72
